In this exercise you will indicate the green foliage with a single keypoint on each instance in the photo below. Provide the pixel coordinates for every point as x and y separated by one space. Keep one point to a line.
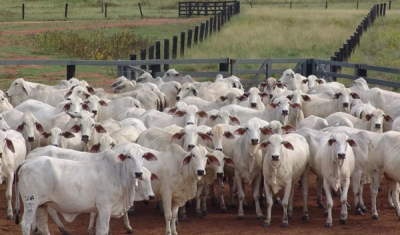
93 45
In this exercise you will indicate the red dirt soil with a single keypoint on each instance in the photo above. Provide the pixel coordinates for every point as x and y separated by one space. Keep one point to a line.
147 219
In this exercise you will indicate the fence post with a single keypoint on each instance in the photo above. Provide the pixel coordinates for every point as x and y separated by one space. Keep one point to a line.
132 74
157 67
202 26
219 22
206 30
224 67
326 5
182 51
205 6
70 71
143 57
357 5
211 25
23 11
105 10
310 67
151 57
174 47
381 10
66 10
166 53
233 66
141 13
390 5
290 5
229 12
360 72
196 34
189 38
346 51
333 68
384 9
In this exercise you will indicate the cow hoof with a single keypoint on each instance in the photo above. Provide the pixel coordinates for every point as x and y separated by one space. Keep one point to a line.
184 218
10 217
342 221
285 225
325 214
240 217
289 216
375 217
278 202
224 210
129 231
348 205
260 217
364 209
328 225
265 225
176 222
321 205
214 202
391 206
204 213
379 189
232 206
131 212
305 218
65 232
199 215
359 212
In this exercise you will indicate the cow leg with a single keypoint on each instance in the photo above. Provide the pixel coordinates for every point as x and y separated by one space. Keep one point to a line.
221 195
285 202
256 196
175 208
199 192
374 187
54 216
319 186
128 227
42 221
356 185
390 192
204 200
329 203
212 195
91 223
182 214
103 220
10 180
268 194
343 200
167 204
28 217
305 180
239 186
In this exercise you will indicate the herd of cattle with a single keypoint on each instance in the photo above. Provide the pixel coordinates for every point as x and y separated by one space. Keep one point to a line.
73 149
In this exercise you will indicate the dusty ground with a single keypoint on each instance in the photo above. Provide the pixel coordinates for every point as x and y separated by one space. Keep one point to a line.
147 220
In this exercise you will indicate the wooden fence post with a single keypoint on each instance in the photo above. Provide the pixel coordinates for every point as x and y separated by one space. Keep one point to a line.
202 26
360 71
219 22
70 71
290 5
143 57
333 68
166 53
189 38
174 47
381 10
390 5
206 30
215 22
224 67
384 9
182 51
357 5
140 9
151 57
326 5
66 10
105 10
196 34
211 25
23 11
132 75
157 67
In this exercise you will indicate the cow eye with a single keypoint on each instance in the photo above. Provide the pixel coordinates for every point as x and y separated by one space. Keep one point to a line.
193 155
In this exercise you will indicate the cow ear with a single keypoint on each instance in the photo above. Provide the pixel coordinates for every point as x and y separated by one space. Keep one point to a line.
87 96
234 120
172 110
337 95
179 90
95 148
223 98
264 144
90 89
10 145
304 81
266 131
122 157
287 145
295 105
262 85
45 134
320 81
331 141
213 117
240 131
20 127
177 136
85 107
69 92
242 98
149 156
388 118
194 92
273 105
263 94
202 114
289 97
67 107
354 95
229 162
352 143
39 127
179 113
103 103
368 116
67 134
154 177
100 129
75 128
229 135
205 137
288 128
213 159
187 160
280 85
306 98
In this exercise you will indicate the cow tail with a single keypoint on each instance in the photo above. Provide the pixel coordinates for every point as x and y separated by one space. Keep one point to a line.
17 200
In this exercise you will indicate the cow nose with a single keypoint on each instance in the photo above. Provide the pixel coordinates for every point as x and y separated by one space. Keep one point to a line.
270 96
345 104
190 146
146 202
285 112
275 157
85 138
151 197
138 174
219 149
253 105
220 174
200 172
377 125
30 139
341 155
178 98
94 111
190 123
254 141
55 145
7 94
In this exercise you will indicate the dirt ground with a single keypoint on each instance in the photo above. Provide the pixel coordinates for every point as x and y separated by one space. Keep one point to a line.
147 219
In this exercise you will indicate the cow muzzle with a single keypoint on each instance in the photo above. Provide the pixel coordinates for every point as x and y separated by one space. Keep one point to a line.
151 197
254 141
346 105
178 98
253 105
341 155
220 174
31 139
138 175
285 112
219 149
85 138
200 172
275 157
190 147
378 125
